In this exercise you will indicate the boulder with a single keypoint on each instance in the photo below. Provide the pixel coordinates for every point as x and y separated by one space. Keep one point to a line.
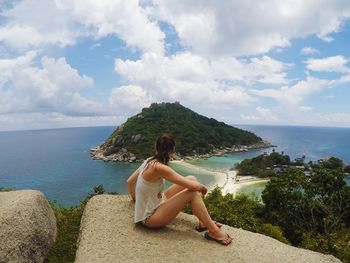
136 138
118 139
108 234
27 226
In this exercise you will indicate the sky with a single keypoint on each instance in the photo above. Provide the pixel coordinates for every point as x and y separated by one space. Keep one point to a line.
70 63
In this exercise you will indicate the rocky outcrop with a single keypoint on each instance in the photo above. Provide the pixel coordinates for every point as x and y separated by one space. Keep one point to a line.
121 156
107 234
136 138
98 153
27 226
195 134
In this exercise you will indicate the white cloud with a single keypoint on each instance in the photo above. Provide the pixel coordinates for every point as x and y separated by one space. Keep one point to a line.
207 73
9 66
53 87
263 115
193 79
295 94
305 108
328 64
336 119
25 29
129 100
309 51
233 27
255 70
47 120
62 22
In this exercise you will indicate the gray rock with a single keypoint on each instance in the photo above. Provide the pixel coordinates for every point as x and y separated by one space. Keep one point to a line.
136 138
27 226
117 140
108 234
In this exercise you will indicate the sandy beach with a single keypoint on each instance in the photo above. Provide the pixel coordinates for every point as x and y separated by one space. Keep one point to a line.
228 181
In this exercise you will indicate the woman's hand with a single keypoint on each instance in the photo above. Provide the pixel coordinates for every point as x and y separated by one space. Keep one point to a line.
201 188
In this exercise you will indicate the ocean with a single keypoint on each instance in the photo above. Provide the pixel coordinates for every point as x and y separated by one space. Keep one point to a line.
57 161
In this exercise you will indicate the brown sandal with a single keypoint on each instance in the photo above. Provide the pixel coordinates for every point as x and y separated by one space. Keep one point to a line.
224 242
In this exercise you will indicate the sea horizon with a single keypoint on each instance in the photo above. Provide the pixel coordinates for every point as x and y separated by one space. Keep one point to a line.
234 125
57 161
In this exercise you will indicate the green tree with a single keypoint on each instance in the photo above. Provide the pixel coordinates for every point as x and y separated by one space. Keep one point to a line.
193 133
299 204
336 243
262 165
242 212
333 163
68 225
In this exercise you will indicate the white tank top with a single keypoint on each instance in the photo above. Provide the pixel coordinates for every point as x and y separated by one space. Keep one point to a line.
147 195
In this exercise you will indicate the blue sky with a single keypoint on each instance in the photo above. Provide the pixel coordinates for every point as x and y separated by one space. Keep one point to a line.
92 63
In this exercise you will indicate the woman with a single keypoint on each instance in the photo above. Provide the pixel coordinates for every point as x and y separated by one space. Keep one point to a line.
154 208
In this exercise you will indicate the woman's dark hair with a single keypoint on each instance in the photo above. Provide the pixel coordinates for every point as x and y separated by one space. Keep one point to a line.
165 144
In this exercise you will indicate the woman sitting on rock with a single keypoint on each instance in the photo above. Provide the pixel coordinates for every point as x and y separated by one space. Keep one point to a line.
155 209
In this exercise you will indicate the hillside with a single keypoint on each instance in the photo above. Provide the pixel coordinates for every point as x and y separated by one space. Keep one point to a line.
194 134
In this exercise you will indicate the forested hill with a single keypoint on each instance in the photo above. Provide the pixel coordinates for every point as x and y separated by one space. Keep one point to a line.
193 133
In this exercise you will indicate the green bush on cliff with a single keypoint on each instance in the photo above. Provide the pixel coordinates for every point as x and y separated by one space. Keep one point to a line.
336 243
68 224
241 212
313 211
193 133
3 189
258 165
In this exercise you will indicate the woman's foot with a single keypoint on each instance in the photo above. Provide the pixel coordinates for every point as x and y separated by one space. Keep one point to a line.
218 236
224 238
201 228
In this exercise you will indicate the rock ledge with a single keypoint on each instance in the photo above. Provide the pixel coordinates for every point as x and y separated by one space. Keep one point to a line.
107 234
27 226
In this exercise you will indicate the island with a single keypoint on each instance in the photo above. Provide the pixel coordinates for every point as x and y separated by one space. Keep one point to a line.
195 135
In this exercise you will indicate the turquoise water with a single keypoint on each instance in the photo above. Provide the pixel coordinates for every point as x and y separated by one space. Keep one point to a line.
254 190
57 161
227 161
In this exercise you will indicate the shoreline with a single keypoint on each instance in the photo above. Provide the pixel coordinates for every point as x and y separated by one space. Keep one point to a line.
123 155
228 181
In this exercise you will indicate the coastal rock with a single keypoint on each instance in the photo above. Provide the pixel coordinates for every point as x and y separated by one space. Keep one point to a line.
108 234
136 138
117 140
121 156
27 226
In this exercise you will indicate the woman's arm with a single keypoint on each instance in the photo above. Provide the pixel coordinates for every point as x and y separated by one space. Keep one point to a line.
169 174
131 183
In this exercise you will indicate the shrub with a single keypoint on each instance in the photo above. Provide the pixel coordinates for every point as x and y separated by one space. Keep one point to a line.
68 224
241 212
336 243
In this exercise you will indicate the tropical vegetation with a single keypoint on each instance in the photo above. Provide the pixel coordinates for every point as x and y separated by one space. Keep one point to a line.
311 212
194 133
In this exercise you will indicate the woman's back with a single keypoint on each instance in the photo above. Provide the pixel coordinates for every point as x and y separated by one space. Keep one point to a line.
148 193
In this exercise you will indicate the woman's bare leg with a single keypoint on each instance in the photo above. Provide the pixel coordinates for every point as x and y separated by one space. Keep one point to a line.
171 207
174 189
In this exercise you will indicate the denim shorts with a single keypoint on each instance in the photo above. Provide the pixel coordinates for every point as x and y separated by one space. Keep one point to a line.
144 221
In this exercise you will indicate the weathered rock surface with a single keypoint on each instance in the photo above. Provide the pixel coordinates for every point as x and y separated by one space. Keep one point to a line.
136 138
97 153
108 234
27 226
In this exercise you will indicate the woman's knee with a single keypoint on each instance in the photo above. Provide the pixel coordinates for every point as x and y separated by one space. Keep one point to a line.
191 177
193 194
